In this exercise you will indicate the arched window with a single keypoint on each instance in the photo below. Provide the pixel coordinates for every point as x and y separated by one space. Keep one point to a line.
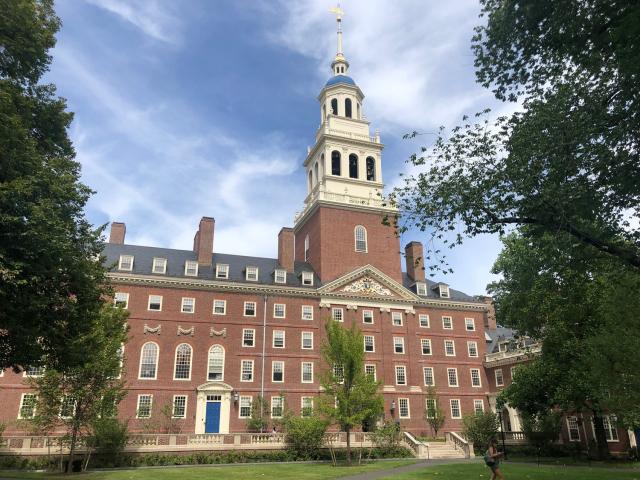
347 108
315 172
334 106
324 112
310 180
216 363
149 360
335 162
182 370
360 234
353 165
306 247
371 169
358 111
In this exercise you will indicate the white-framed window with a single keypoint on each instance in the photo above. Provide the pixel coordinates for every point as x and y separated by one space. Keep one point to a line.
149 361
279 310
306 369
447 323
396 319
367 316
159 265
401 375
215 363
277 407
338 373
306 339
369 343
499 377
182 368
306 247
398 344
155 303
245 407
145 402
573 429
337 314
306 406
307 278
421 289
307 312
67 407
427 373
191 268
449 348
121 299
32 371
472 349
423 320
403 408
456 411
610 428
188 305
280 276
219 307
222 270
179 406
425 343
28 404
444 291
246 371
370 369
469 324
278 339
251 274
360 237
478 406
475 377
126 263
430 406
452 377
248 337
249 309
277 371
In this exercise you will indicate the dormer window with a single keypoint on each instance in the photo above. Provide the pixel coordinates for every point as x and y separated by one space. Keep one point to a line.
222 270
280 276
191 268
159 265
126 263
251 274
307 278
444 290
421 288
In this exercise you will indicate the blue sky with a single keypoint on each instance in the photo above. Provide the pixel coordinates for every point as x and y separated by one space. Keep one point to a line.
186 109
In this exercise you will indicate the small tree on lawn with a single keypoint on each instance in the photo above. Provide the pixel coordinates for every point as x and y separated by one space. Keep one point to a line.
259 419
480 427
350 395
433 414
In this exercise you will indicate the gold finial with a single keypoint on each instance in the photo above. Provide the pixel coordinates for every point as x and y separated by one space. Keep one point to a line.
338 11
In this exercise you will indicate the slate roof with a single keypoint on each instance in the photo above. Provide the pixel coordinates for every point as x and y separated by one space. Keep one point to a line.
432 290
500 334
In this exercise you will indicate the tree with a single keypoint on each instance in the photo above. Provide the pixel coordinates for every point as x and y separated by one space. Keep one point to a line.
480 428
259 419
542 428
51 276
350 395
304 436
433 414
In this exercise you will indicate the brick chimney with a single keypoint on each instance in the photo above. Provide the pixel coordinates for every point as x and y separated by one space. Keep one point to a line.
118 231
285 248
490 314
203 241
414 254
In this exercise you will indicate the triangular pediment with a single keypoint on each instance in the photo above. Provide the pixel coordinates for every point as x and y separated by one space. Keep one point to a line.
367 282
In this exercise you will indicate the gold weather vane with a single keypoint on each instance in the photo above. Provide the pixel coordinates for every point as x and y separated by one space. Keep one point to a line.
338 13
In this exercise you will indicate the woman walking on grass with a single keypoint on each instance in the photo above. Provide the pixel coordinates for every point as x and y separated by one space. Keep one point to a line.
492 459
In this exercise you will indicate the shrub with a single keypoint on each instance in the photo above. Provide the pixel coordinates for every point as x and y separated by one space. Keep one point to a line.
541 429
109 439
387 437
304 436
479 428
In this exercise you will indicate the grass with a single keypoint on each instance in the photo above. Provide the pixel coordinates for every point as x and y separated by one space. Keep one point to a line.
571 461
286 471
468 471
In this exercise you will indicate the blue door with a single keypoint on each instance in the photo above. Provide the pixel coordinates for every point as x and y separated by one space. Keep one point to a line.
212 421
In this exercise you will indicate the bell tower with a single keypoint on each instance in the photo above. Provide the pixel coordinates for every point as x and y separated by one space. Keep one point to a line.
340 227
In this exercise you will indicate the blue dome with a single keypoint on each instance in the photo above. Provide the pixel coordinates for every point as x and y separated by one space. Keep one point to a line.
339 79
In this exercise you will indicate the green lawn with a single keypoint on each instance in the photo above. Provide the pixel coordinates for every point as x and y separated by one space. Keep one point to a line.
240 472
515 472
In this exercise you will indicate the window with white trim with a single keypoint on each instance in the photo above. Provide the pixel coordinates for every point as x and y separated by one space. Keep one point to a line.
280 276
360 234
610 429
248 337
449 348
447 323
370 369
337 314
475 377
573 429
245 407
32 371
421 289
222 270
278 339
307 372
121 299
249 309
306 406
306 248
179 406
307 312
398 344
472 349
251 274
246 371
277 407
430 406
155 303
67 407
191 268
219 307
277 371
369 343
149 360
423 320
182 369
215 363
425 343
188 305
126 263
367 316
28 404
159 265
452 377
403 407
145 403
306 340
499 377
338 373
478 406
444 291
279 310
401 375
456 412
427 373
307 278
396 319
469 324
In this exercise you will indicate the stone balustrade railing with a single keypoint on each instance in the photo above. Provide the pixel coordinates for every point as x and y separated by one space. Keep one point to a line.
532 349
460 444
419 449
